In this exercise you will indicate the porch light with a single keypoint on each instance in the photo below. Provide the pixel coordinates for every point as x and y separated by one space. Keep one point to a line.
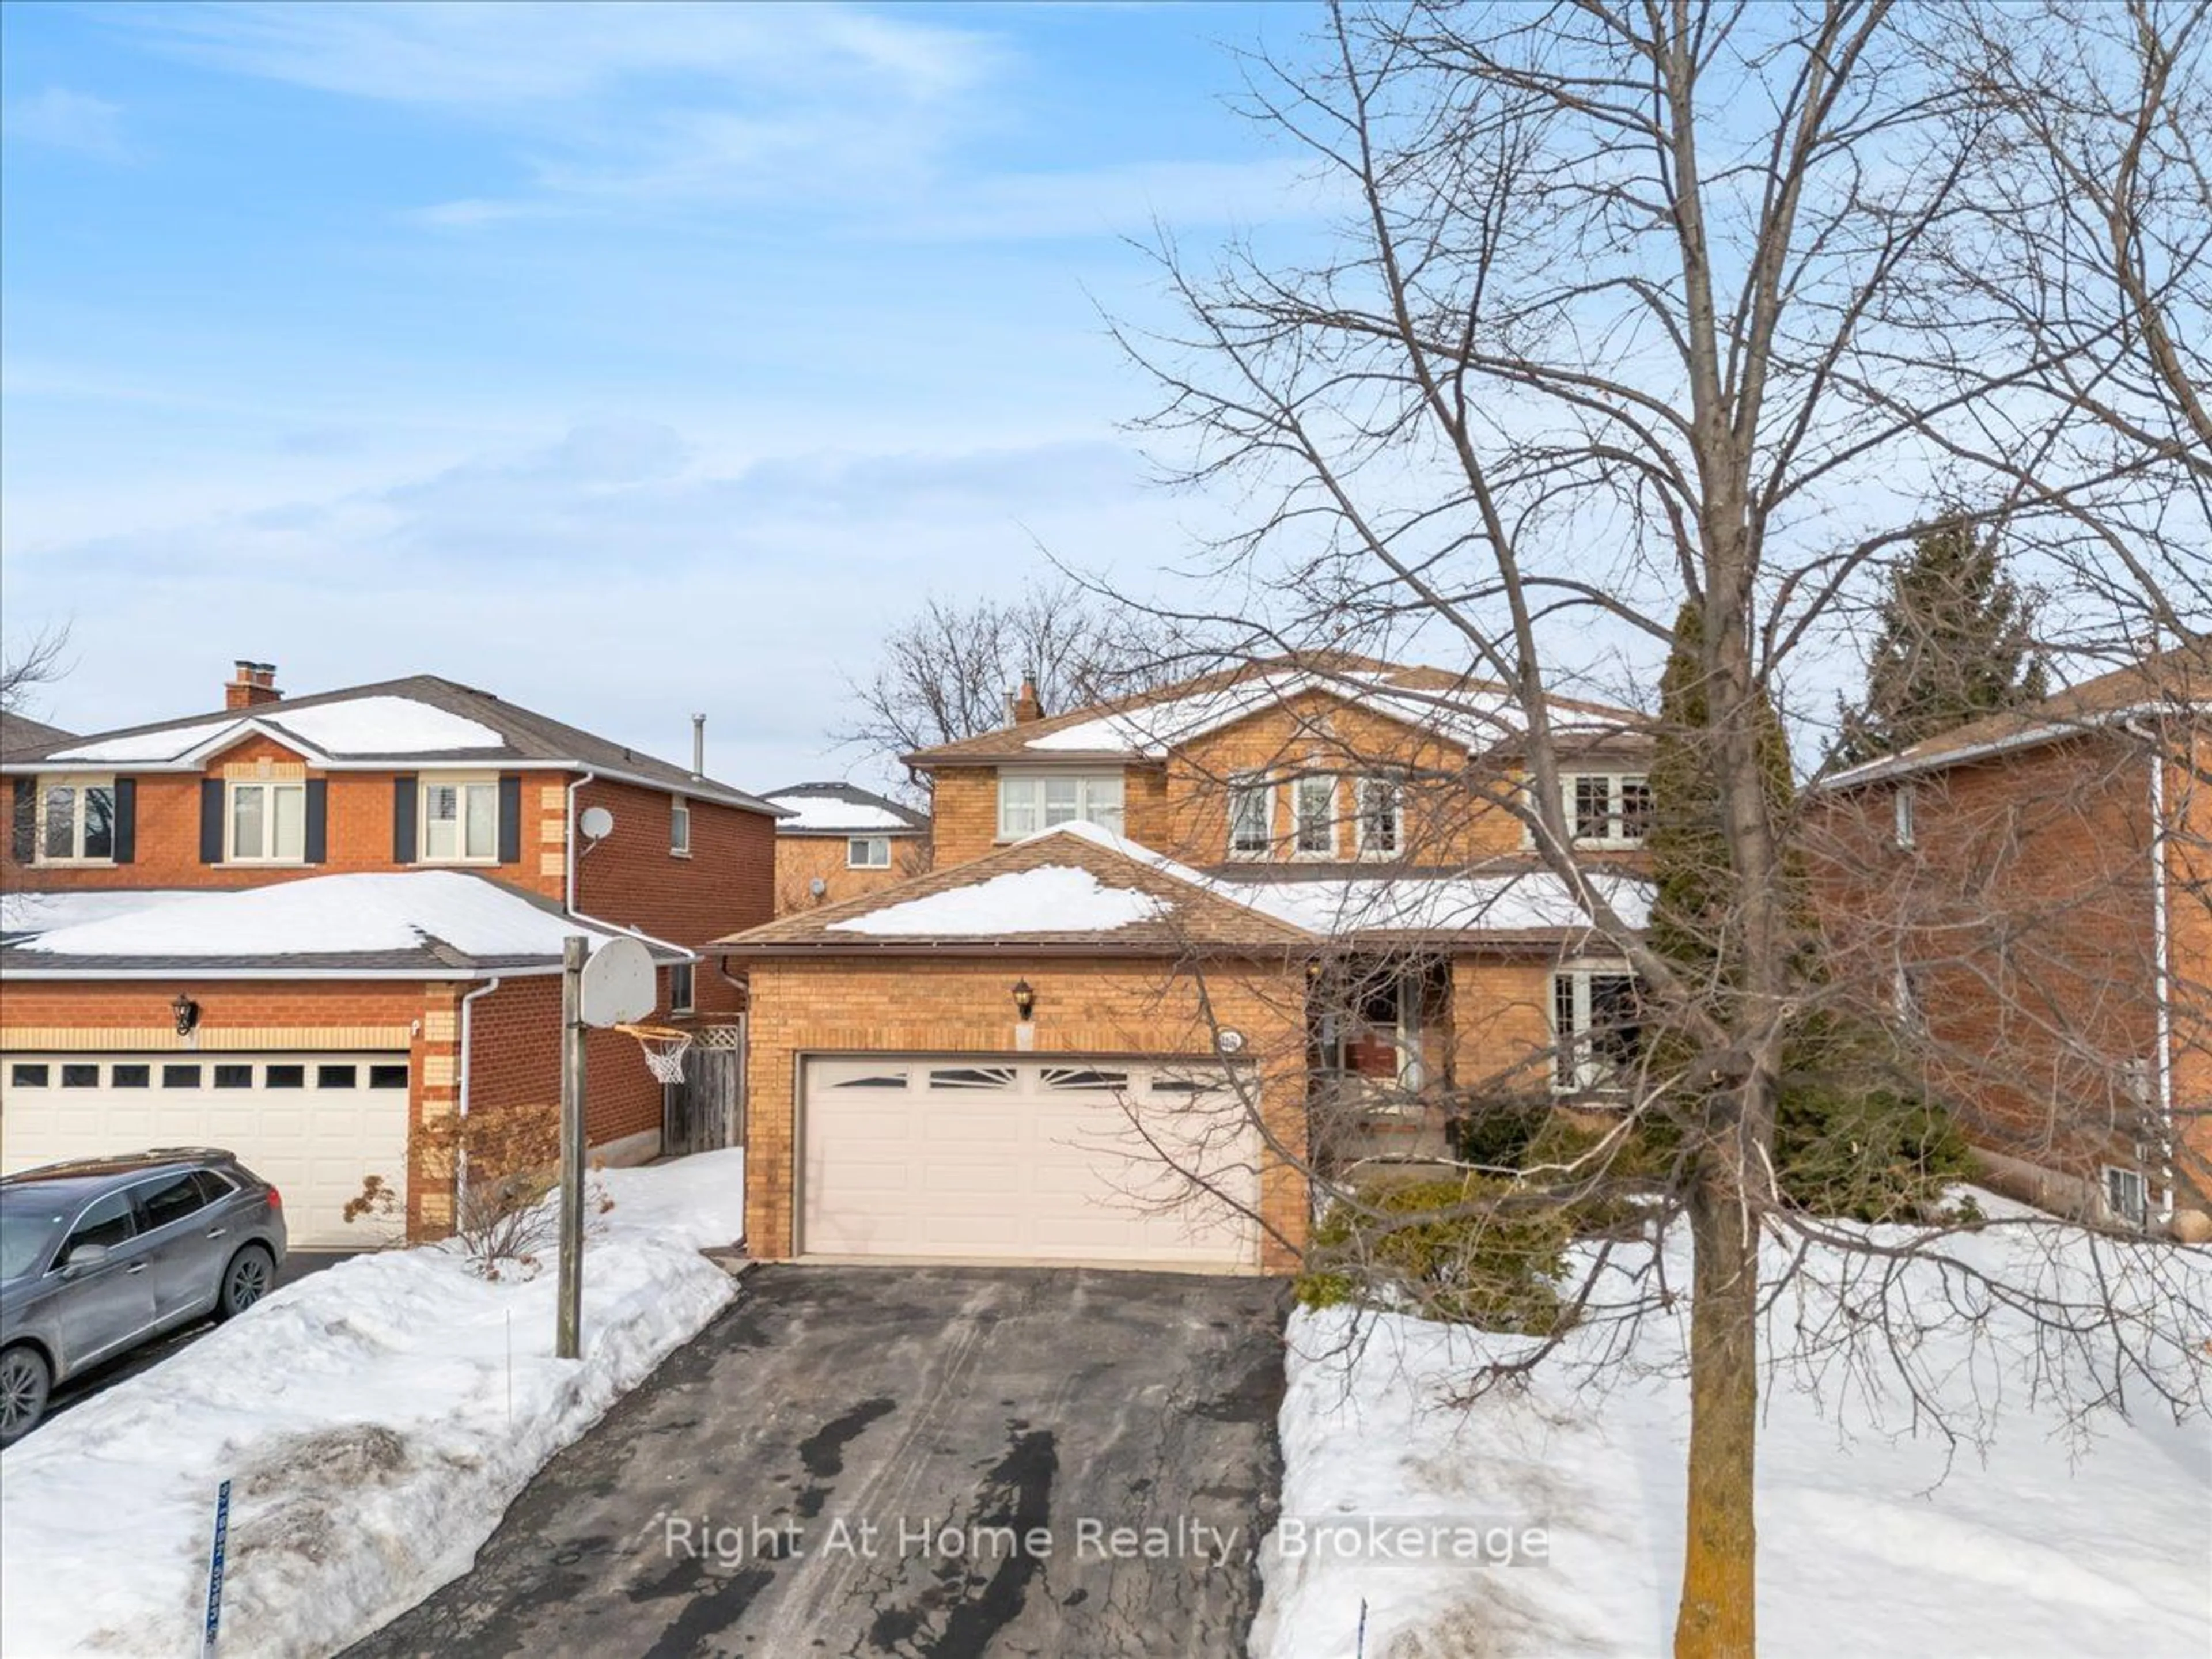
1024 1000
187 1012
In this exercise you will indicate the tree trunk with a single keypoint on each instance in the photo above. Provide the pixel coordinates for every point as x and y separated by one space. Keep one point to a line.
1717 1618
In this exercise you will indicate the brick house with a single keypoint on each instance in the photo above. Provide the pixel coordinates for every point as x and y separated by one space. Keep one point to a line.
1266 920
840 842
310 929
2032 894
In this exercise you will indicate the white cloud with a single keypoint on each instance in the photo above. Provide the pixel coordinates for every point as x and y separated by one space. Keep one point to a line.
68 120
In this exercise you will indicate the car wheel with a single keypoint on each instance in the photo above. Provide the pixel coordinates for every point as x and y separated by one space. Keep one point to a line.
24 1382
245 1282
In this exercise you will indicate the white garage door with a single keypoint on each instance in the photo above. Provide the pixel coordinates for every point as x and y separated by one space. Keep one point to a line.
312 1126
1025 1160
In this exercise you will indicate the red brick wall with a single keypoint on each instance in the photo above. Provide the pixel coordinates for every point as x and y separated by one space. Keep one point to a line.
2023 907
515 1063
727 885
359 833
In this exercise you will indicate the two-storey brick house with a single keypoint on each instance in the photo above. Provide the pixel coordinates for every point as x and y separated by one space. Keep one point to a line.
840 842
309 929
1298 886
2032 894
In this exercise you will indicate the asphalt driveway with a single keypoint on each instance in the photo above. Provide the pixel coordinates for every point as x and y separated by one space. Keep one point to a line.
926 1462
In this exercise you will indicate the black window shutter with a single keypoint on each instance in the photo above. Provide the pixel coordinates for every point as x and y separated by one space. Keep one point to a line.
510 817
402 818
211 820
126 820
23 826
319 818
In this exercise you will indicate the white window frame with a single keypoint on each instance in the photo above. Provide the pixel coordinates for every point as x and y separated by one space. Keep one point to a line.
269 788
1576 1068
1616 807
1904 808
871 844
461 784
1251 789
687 1001
679 827
1020 816
1396 785
2127 1195
78 783
1298 786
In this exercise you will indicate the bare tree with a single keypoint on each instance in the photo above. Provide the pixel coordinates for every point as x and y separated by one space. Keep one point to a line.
1641 306
42 659
950 672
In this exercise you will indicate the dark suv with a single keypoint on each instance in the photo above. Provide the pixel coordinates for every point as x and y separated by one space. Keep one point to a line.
101 1254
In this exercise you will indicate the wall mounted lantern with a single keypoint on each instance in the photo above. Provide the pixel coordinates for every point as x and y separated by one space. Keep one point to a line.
187 1012
1024 1000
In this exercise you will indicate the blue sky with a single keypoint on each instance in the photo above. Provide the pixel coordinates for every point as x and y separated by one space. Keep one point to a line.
625 362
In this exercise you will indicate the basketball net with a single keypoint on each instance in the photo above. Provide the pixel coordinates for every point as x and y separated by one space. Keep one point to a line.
664 1047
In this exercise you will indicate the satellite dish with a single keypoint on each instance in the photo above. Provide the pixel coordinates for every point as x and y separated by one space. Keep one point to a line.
817 887
596 822
618 981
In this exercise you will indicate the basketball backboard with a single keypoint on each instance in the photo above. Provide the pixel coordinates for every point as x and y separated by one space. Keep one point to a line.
618 983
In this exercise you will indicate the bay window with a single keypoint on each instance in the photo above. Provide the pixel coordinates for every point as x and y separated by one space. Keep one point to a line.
1596 1029
268 822
76 820
1037 802
460 821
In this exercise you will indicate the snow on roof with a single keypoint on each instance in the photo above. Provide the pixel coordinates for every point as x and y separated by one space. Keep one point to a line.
1052 898
382 726
328 916
357 725
24 914
1522 901
821 813
165 744
1476 717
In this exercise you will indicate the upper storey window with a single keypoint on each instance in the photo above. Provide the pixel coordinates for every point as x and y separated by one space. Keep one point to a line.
460 821
268 824
76 820
1040 800
1608 809
1251 808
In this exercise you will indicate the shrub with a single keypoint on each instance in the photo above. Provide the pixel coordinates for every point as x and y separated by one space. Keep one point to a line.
1444 1248
1496 1134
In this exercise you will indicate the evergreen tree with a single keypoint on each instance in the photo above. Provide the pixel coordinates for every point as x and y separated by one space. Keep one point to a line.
1956 643
1851 1136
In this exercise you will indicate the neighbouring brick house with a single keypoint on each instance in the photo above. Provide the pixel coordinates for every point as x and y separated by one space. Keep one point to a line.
1266 919
840 841
2032 892
310 929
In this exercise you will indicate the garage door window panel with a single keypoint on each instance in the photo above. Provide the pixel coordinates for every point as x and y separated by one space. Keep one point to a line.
234 1077
337 1077
29 1075
180 1076
130 1076
973 1077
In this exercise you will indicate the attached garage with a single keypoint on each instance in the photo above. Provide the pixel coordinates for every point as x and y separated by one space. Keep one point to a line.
315 1125
1024 1157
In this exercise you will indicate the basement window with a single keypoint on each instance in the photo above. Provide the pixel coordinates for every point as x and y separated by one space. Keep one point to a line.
2127 1195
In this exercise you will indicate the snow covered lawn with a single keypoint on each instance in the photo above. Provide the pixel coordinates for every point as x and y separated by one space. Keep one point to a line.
1866 1545
372 1424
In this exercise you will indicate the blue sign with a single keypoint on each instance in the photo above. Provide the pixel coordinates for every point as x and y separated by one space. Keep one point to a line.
215 1567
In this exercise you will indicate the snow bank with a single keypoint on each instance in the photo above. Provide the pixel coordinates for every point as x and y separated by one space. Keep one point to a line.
1874 1537
1053 898
373 1423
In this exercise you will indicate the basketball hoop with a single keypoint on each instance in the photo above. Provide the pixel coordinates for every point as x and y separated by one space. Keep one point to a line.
664 1048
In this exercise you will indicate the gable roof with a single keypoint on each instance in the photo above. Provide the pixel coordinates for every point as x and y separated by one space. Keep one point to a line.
19 731
421 924
421 720
1076 889
2179 680
842 809
1481 716
1073 888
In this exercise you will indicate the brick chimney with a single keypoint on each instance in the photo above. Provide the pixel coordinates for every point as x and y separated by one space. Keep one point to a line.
1026 706
251 685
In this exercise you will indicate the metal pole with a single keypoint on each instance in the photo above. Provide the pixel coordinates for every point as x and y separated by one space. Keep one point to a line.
569 1338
